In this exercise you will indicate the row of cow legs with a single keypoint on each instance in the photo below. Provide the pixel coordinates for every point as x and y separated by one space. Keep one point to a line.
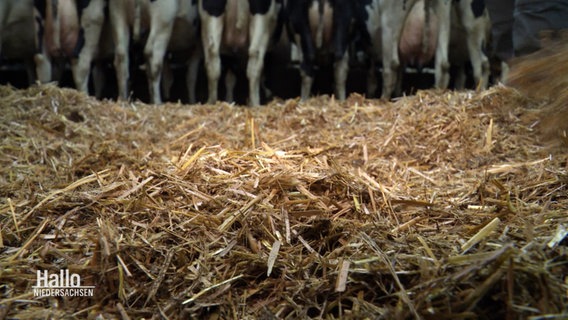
475 37
212 29
92 22
340 73
259 34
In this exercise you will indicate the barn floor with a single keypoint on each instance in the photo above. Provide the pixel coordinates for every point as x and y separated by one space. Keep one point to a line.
439 205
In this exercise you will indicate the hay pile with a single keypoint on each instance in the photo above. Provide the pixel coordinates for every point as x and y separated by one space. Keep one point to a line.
440 205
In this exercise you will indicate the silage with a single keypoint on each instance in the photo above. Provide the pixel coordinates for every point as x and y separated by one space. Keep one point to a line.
440 205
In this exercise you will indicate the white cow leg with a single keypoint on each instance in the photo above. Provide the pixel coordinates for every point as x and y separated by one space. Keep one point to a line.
43 68
479 61
475 31
307 82
81 70
121 37
155 69
391 67
391 61
341 73
121 62
162 22
260 36
211 35
92 24
442 72
504 72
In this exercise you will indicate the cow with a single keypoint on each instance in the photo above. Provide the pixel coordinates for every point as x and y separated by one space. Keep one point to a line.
238 27
322 29
73 32
173 27
385 21
21 36
471 27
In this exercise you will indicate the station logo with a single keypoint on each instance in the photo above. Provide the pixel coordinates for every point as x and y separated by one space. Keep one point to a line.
62 284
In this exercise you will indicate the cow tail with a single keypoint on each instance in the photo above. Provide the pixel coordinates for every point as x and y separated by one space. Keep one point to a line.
426 31
137 20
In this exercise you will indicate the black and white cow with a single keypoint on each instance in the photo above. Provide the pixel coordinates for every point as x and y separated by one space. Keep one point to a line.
238 27
471 27
322 29
401 32
73 34
21 37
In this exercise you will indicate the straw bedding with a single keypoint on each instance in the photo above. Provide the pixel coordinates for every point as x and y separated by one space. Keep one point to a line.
441 205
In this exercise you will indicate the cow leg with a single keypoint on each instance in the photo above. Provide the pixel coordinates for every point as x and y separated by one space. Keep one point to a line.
162 23
442 65
373 27
302 36
230 82
43 68
307 82
267 92
98 75
192 73
92 21
121 38
167 81
481 68
504 71
211 35
259 32
391 25
460 78
372 83
341 72
307 72
479 61
400 73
